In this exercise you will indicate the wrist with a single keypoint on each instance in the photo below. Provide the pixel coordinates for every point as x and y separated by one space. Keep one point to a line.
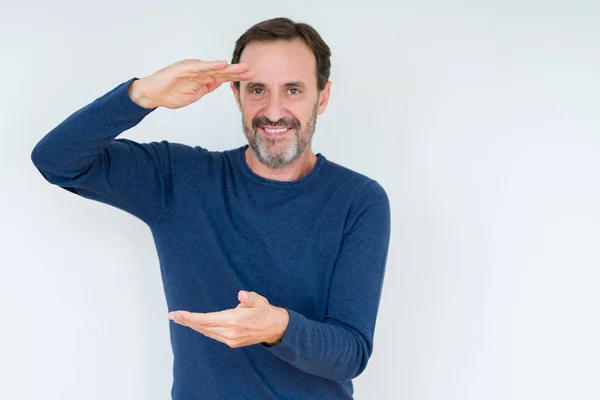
137 95
282 321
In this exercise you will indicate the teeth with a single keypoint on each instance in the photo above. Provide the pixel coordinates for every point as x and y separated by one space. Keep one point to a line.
275 130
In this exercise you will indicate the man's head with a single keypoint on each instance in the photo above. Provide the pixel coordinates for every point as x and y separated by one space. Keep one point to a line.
291 87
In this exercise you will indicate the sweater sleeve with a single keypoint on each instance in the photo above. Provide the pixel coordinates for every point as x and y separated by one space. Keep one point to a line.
83 156
339 347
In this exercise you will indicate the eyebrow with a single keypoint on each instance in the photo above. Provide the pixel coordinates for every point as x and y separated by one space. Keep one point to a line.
253 85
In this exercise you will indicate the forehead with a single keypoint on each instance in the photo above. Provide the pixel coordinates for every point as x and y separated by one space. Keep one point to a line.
281 61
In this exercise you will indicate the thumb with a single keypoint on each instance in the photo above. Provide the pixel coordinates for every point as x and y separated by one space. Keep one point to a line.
248 299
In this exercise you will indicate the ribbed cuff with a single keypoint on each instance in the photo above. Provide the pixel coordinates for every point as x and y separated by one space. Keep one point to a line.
288 345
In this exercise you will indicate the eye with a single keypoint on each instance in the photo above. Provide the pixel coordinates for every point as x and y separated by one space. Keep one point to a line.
253 91
297 91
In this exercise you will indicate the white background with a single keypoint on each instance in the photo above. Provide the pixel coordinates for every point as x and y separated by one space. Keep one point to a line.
480 119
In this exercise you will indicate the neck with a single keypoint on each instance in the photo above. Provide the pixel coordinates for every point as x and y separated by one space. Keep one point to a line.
297 170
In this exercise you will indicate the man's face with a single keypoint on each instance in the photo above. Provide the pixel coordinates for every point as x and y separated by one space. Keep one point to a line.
280 104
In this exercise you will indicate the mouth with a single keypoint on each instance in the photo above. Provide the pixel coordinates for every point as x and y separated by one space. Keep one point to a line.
275 131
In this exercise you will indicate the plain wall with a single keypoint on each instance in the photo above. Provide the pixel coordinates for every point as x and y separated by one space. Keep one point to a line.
480 119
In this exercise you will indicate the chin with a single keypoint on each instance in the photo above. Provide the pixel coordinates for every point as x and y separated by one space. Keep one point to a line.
276 159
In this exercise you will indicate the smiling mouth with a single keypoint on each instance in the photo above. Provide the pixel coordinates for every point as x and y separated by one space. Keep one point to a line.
275 131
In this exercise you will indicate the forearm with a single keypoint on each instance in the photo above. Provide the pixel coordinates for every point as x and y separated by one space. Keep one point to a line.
76 142
326 349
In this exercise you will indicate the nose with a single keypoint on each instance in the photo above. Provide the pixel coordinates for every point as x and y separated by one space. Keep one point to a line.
274 109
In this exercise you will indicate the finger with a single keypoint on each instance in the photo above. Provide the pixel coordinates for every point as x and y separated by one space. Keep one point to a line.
202 79
213 86
193 66
219 78
216 333
235 78
187 318
180 317
225 79
222 332
235 68
230 70
224 318
243 296
230 336
220 338
244 76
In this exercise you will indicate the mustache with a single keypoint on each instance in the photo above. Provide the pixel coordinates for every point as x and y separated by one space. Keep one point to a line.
286 122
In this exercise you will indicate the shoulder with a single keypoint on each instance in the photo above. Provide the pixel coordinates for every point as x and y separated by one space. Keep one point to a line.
359 187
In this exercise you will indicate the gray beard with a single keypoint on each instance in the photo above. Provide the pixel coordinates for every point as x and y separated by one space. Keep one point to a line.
294 150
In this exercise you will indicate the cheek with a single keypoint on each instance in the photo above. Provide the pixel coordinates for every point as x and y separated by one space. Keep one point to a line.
294 108
251 108
248 115
306 115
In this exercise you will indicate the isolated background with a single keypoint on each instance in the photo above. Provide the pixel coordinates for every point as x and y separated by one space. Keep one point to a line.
480 119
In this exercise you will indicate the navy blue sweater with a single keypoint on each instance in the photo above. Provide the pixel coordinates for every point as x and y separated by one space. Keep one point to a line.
316 246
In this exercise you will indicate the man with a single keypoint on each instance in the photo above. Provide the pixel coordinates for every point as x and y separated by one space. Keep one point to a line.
272 257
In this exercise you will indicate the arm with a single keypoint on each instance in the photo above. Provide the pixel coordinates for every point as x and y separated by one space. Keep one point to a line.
83 156
340 347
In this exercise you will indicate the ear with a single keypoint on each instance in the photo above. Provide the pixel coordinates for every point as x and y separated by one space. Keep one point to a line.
236 94
324 98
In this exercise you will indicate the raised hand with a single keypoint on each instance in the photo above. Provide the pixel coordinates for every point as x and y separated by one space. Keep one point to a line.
185 82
